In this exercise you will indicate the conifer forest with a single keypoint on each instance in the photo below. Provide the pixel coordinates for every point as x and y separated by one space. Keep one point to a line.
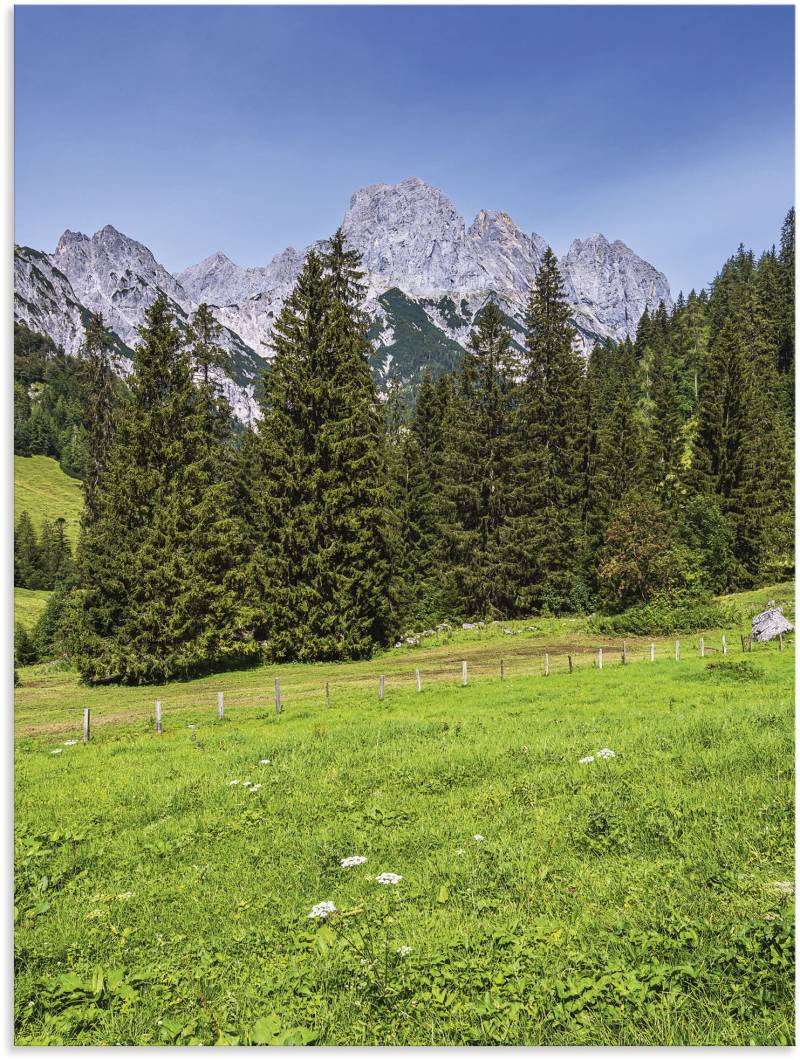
528 481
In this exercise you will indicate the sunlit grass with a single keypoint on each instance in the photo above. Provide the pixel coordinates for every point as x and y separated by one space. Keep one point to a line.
639 899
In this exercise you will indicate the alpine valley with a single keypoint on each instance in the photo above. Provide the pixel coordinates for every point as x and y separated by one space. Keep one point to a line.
427 278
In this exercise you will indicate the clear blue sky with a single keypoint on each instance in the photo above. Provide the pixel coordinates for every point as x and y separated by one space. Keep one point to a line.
246 129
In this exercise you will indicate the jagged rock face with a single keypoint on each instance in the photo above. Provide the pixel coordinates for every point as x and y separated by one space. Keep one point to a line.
112 274
610 286
427 276
116 276
45 301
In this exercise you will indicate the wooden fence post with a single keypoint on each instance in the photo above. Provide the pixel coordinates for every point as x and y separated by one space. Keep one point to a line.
380 688
277 695
419 681
724 645
86 725
750 643
220 705
327 694
702 648
502 670
744 647
624 653
677 649
569 661
652 652
599 658
158 717
546 665
463 671
780 642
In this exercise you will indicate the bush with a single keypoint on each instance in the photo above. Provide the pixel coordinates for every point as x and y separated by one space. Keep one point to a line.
663 616
25 651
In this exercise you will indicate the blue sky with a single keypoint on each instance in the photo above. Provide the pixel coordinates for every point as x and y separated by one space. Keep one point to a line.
246 129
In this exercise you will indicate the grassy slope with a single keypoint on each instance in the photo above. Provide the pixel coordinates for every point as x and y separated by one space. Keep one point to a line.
42 488
627 901
28 605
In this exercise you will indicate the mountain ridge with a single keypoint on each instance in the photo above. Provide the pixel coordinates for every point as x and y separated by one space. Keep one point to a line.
427 274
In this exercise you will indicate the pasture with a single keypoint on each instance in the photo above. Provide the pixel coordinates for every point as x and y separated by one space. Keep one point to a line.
639 898
43 490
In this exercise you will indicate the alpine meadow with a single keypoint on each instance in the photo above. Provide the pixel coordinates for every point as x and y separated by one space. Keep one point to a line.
403 629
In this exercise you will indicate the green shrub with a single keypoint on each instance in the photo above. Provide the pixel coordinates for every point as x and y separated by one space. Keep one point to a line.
661 617
25 651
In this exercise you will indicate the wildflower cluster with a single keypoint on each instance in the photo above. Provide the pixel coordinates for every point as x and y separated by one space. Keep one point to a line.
604 752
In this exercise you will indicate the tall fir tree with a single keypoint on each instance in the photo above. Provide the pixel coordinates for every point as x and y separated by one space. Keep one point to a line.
547 538
162 560
479 459
324 518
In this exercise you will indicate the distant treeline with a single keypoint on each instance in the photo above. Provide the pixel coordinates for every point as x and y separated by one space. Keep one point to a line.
49 395
43 560
527 480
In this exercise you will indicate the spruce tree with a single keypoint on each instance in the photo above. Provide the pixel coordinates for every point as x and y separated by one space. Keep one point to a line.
479 459
325 553
162 561
548 537
98 415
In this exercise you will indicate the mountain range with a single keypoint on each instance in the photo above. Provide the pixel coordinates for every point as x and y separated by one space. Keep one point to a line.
427 276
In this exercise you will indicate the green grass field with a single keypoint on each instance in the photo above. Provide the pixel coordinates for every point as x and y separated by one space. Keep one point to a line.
644 898
28 605
43 490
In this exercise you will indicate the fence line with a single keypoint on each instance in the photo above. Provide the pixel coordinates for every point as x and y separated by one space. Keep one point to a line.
564 663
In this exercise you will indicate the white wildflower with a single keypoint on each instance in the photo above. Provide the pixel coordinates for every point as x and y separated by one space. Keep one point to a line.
70 743
254 788
388 879
587 760
459 851
365 961
232 782
404 951
606 752
57 751
264 762
479 838
351 862
321 911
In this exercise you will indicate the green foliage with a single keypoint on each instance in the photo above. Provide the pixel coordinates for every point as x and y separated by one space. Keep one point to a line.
668 614
44 560
50 398
323 566
161 562
479 458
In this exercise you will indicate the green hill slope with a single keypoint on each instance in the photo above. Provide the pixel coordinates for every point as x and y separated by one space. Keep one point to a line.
42 488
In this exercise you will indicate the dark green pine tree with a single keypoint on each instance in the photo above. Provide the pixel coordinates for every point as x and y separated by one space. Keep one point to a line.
479 458
666 421
162 561
98 411
548 537
617 469
418 477
55 554
27 562
787 265
325 531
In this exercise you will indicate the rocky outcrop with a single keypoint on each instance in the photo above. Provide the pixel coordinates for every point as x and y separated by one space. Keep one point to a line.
427 276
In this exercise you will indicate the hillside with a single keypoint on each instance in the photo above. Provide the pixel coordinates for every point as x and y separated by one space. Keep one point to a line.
28 605
43 490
